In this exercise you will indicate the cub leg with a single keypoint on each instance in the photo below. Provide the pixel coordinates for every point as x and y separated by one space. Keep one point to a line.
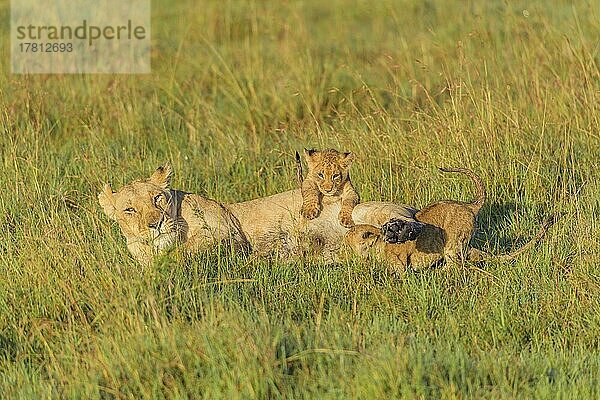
397 265
311 200
456 251
349 200
419 261
455 256
477 255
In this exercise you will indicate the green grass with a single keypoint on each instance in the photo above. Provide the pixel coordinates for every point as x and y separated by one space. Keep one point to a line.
239 86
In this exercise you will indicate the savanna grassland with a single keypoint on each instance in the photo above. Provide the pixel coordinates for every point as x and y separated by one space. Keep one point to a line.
509 89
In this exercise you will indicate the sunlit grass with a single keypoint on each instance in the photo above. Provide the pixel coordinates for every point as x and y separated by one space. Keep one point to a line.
510 90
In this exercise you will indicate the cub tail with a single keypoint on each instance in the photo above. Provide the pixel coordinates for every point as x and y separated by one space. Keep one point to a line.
480 197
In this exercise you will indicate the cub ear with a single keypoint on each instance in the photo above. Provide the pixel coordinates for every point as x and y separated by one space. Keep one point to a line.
105 198
346 159
309 152
369 237
308 155
162 176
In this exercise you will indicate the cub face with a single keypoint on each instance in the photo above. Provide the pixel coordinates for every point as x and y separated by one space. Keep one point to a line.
144 209
362 239
329 169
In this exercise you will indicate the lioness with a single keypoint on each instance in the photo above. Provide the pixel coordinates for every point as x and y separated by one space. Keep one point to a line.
152 216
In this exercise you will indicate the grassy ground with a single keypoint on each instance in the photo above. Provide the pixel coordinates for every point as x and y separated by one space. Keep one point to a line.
510 89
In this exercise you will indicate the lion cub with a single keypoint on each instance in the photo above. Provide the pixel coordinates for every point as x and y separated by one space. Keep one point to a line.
369 241
456 219
447 227
328 175
424 252
446 232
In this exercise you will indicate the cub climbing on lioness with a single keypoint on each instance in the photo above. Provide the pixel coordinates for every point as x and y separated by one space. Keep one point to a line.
328 176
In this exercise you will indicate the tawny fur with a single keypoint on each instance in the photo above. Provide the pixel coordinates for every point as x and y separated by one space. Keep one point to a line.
153 217
456 219
268 225
424 252
449 226
328 176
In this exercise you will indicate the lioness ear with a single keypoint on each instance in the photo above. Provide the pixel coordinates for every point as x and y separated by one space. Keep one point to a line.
105 198
346 159
162 176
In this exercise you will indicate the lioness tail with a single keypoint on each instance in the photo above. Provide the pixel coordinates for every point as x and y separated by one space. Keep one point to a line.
478 255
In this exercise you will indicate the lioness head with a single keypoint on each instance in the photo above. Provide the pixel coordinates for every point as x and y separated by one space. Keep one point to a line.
329 169
145 209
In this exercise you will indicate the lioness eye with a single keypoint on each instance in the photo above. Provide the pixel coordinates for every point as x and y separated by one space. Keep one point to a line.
320 175
336 176
129 210
158 197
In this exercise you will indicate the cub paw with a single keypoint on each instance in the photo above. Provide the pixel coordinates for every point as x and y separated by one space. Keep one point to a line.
346 221
309 212
400 231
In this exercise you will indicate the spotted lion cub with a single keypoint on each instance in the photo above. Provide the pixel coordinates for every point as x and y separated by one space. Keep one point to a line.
328 175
